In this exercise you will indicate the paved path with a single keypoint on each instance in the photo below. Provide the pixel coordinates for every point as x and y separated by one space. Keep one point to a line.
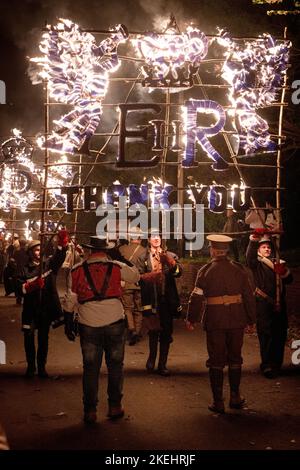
161 413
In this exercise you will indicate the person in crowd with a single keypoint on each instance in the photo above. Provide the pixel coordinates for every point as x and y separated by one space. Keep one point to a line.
271 221
159 268
131 297
36 282
272 321
232 228
2 259
255 218
20 257
9 270
14 245
96 294
223 300
74 256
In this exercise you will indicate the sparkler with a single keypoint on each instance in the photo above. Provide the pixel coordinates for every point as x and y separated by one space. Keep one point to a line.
77 72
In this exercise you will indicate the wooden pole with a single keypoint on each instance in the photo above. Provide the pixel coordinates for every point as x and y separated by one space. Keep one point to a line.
278 181
45 185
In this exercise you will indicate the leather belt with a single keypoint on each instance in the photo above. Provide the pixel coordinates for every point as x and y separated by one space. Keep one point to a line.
122 320
224 300
260 294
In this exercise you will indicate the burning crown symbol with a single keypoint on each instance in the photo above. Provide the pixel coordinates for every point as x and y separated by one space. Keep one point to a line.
171 58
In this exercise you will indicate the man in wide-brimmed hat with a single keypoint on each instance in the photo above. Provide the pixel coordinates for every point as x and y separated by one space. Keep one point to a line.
223 297
271 324
97 291
131 297
41 306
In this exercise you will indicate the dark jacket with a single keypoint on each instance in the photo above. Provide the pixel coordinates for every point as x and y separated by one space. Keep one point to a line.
152 294
41 306
265 279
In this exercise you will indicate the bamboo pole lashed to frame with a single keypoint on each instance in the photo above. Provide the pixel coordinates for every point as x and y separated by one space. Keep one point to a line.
278 183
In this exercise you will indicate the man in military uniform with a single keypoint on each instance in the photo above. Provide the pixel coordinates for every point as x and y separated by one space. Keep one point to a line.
272 322
224 297
131 297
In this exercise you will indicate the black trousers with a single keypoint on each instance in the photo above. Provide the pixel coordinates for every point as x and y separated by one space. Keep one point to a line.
272 333
224 347
42 350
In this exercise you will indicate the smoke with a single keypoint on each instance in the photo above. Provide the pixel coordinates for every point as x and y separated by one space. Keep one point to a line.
159 12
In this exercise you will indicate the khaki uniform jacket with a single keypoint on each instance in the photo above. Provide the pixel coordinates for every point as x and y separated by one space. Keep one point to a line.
225 277
132 252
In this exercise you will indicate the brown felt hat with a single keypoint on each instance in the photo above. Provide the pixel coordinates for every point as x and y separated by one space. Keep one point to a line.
32 244
97 243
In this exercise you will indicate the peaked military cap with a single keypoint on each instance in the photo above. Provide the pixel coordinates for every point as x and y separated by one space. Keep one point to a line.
220 242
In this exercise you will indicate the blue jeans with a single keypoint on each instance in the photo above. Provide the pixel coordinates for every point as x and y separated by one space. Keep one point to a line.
109 339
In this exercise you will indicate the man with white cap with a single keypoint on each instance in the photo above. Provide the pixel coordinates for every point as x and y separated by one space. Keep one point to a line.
272 322
131 297
224 297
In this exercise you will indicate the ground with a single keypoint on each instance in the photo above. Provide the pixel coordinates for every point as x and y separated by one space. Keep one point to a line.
160 413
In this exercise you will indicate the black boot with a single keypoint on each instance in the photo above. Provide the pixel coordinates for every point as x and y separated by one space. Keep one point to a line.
216 382
133 339
42 352
42 373
153 343
236 401
30 371
163 357
30 353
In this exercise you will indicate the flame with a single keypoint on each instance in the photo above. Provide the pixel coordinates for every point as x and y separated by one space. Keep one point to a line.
16 182
268 60
77 72
16 132
171 59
